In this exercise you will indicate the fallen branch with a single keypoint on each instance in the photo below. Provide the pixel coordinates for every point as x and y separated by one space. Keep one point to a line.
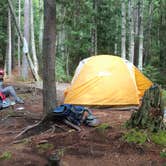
72 125
44 125
56 125
27 129
9 132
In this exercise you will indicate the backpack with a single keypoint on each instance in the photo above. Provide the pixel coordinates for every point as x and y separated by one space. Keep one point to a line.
76 115
70 112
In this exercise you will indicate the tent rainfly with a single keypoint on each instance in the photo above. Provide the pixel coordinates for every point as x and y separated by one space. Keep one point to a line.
106 80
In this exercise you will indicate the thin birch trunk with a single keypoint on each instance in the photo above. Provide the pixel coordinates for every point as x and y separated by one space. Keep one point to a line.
41 26
9 68
67 65
116 37
22 39
25 68
34 56
18 45
131 31
61 33
123 33
141 37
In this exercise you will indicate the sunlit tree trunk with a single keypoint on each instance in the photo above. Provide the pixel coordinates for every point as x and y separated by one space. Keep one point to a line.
123 33
116 37
9 59
34 56
49 40
24 43
41 26
131 30
18 45
141 37
25 67
61 35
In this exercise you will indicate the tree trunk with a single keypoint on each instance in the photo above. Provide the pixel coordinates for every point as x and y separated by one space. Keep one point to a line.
94 31
26 35
49 40
150 114
41 26
141 37
123 33
131 31
116 36
137 29
34 56
18 45
148 34
24 42
9 59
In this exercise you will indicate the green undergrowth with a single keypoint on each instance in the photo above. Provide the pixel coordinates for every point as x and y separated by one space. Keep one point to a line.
6 156
44 147
102 128
163 154
135 136
164 97
159 138
141 137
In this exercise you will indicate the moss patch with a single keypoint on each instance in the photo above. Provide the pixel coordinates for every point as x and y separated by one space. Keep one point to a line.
44 147
102 128
134 136
159 138
6 156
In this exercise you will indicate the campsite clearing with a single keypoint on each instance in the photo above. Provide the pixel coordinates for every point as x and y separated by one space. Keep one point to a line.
90 147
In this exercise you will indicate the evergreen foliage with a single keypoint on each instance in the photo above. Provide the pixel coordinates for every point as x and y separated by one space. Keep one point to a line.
74 30
152 73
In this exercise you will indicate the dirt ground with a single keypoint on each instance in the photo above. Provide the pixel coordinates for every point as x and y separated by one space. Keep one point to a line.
86 148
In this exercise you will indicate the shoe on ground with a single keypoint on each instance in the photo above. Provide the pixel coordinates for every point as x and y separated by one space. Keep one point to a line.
19 101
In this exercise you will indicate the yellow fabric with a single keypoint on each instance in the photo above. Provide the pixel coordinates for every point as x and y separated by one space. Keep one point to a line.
142 82
106 80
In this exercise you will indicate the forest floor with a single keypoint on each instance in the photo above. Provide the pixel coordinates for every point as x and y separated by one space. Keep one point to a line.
86 148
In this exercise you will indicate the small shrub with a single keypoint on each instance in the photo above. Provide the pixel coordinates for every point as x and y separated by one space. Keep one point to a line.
44 147
102 127
159 138
163 154
6 156
164 97
152 73
135 137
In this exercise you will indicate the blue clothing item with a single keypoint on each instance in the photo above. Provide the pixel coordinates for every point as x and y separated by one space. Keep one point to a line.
1 84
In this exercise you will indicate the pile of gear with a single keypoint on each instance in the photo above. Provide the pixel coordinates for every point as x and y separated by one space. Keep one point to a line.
75 114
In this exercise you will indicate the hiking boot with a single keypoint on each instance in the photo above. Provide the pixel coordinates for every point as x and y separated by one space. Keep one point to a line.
19 101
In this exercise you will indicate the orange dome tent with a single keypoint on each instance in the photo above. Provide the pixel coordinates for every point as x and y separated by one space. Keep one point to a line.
106 80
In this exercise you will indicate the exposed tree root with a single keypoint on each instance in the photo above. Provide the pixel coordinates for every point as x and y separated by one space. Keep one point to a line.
46 124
